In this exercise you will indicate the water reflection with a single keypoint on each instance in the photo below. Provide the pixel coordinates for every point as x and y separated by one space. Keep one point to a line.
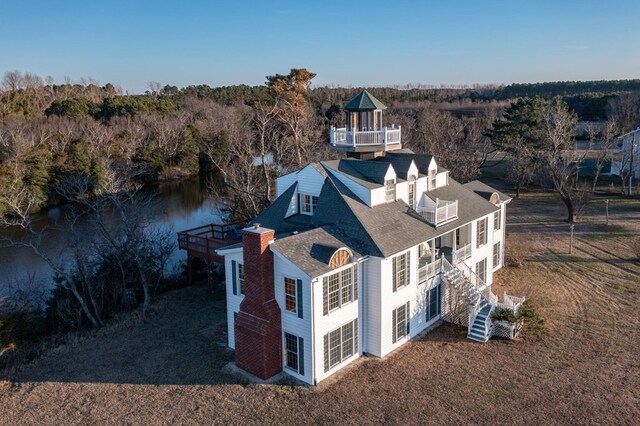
181 205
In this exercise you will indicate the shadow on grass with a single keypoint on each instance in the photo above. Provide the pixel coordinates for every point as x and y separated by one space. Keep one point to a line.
182 342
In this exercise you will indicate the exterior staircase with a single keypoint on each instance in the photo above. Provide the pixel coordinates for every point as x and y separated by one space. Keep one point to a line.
478 330
468 285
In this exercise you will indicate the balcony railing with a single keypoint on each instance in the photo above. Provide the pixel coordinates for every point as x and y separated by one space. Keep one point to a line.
462 253
429 270
444 211
345 137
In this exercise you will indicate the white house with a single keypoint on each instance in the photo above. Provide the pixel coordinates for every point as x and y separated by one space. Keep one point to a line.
356 256
629 156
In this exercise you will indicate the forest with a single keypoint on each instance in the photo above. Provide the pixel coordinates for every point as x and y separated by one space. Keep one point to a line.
94 147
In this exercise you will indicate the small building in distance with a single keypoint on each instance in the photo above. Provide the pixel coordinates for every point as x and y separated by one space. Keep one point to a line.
628 158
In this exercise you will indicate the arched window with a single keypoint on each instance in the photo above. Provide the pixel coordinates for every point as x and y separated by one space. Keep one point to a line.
340 258
494 198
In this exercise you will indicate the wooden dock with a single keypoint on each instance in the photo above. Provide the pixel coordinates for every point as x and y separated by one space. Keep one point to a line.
203 241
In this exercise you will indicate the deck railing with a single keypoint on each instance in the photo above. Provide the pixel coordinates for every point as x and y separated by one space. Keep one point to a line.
443 212
429 270
353 137
462 253
208 238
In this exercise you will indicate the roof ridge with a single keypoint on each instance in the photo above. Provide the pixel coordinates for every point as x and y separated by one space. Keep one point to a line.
331 178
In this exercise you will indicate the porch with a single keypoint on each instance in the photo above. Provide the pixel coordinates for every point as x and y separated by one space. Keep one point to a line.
454 246
387 137
203 241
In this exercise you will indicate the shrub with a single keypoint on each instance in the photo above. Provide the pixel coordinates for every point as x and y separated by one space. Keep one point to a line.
503 315
533 323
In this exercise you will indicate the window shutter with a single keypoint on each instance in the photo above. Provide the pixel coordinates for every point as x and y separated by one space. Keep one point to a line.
325 296
408 318
301 355
326 352
356 349
299 294
355 282
407 258
393 323
234 276
393 274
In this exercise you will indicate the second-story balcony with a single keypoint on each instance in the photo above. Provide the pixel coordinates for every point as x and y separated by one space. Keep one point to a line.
386 138
442 212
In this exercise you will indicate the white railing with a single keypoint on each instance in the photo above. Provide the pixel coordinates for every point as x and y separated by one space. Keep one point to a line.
512 303
429 270
443 212
462 253
353 137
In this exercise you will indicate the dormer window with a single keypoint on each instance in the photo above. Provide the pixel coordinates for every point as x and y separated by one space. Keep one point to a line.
412 191
308 204
432 179
390 190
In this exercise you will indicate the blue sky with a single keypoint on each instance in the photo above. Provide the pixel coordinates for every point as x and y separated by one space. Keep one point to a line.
345 42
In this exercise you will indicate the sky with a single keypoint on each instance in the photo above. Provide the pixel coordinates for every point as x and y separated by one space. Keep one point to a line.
346 43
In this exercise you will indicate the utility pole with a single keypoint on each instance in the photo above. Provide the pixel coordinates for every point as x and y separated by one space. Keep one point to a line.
607 209
571 240
633 148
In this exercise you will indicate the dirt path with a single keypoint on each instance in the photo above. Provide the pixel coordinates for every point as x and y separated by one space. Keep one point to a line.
585 369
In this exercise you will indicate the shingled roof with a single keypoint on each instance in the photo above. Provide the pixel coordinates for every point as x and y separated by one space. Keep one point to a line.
485 191
341 219
364 101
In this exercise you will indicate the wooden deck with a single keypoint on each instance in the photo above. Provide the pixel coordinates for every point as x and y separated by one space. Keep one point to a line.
203 241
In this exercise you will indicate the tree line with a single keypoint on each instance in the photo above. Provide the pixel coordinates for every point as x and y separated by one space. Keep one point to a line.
94 148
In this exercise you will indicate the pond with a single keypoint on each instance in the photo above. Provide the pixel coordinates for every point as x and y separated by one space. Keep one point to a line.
181 205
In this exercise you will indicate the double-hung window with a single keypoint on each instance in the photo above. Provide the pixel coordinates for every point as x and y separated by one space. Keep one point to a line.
496 255
401 270
340 344
497 220
390 190
308 203
481 233
481 270
294 352
241 277
400 322
290 296
340 288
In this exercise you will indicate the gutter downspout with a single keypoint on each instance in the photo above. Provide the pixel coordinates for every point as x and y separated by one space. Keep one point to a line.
313 333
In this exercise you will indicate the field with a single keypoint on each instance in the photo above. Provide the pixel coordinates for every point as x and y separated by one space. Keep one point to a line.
583 369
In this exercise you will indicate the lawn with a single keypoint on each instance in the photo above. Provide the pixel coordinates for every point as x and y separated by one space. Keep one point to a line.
583 369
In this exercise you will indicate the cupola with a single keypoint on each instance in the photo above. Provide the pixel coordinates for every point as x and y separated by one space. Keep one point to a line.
364 135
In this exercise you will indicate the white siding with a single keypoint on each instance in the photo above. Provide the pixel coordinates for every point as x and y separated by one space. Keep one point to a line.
323 324
413 170
291 323
391 173
392 300
363 193
372 300
378 196
310 181
485 251
233 301
402 192
284 182
293 204
441 179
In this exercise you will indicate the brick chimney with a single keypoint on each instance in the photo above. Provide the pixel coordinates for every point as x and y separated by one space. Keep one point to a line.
258 327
